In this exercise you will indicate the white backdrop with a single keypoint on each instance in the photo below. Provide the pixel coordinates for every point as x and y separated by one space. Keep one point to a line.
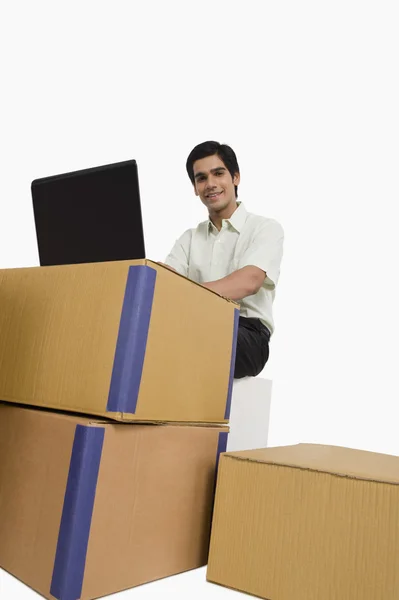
307 94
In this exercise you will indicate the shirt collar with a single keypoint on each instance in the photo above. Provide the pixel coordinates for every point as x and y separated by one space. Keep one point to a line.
237 219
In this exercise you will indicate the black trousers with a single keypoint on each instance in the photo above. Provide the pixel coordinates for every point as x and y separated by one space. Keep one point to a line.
252 347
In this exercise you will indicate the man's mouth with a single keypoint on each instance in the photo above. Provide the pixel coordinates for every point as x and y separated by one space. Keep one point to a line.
214 195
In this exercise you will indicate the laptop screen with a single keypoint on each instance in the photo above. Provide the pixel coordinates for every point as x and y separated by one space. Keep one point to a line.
86 216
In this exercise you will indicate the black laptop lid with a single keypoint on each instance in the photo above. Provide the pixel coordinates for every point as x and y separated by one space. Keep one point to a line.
86 216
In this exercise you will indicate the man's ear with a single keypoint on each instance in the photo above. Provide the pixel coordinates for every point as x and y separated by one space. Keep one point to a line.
195 190
236 179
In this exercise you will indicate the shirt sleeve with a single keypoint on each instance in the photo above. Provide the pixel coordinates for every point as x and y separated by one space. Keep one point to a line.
265 251
178 258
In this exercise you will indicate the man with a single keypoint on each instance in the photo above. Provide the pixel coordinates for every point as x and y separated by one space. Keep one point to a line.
234 253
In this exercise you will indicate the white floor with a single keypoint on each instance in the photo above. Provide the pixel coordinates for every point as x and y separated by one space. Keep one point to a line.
249 427
191 585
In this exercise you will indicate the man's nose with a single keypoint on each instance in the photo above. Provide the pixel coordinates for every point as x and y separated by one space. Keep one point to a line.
210 184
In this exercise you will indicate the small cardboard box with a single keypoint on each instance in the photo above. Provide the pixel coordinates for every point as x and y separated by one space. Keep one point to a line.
308 522
128 340
88 508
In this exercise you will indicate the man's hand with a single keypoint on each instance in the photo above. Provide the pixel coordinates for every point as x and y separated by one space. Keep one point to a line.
238 285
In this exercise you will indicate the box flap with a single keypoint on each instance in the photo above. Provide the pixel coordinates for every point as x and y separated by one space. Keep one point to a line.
81 419
336 460
203 425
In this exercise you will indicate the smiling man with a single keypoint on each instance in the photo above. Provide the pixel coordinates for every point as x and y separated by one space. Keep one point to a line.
234 253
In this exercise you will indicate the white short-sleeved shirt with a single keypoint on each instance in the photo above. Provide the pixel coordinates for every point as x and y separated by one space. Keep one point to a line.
206 254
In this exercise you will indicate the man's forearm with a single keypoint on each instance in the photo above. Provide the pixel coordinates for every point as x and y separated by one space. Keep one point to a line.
239 284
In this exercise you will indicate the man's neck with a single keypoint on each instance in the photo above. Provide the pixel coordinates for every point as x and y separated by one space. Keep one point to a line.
218 217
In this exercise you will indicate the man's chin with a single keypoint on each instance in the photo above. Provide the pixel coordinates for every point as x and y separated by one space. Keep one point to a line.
217 206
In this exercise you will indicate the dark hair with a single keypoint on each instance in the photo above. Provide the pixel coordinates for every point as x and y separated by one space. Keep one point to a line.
224 152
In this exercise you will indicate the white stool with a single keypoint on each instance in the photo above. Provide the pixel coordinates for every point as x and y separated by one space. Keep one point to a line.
250 413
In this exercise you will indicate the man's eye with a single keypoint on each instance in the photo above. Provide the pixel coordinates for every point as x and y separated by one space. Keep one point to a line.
219 173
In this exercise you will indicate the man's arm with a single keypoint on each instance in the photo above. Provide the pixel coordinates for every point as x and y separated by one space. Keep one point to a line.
260 264
239 284
177 259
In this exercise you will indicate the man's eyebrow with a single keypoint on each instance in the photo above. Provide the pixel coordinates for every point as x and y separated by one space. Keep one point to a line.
200 173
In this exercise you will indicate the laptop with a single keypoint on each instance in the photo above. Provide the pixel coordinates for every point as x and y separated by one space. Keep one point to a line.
92 215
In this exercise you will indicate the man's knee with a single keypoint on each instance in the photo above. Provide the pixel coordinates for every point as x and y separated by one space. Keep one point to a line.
252 353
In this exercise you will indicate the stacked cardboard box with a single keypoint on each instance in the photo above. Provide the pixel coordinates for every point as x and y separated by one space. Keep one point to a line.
128 340
115 382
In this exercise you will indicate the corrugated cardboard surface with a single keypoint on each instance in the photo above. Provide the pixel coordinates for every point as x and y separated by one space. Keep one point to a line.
192 373
34 460
152 501
307 522
65 345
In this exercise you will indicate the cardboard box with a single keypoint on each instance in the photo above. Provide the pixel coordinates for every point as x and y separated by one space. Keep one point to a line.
129 340
308 522
88 508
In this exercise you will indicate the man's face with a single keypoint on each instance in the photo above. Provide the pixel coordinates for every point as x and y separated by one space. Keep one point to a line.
214 184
